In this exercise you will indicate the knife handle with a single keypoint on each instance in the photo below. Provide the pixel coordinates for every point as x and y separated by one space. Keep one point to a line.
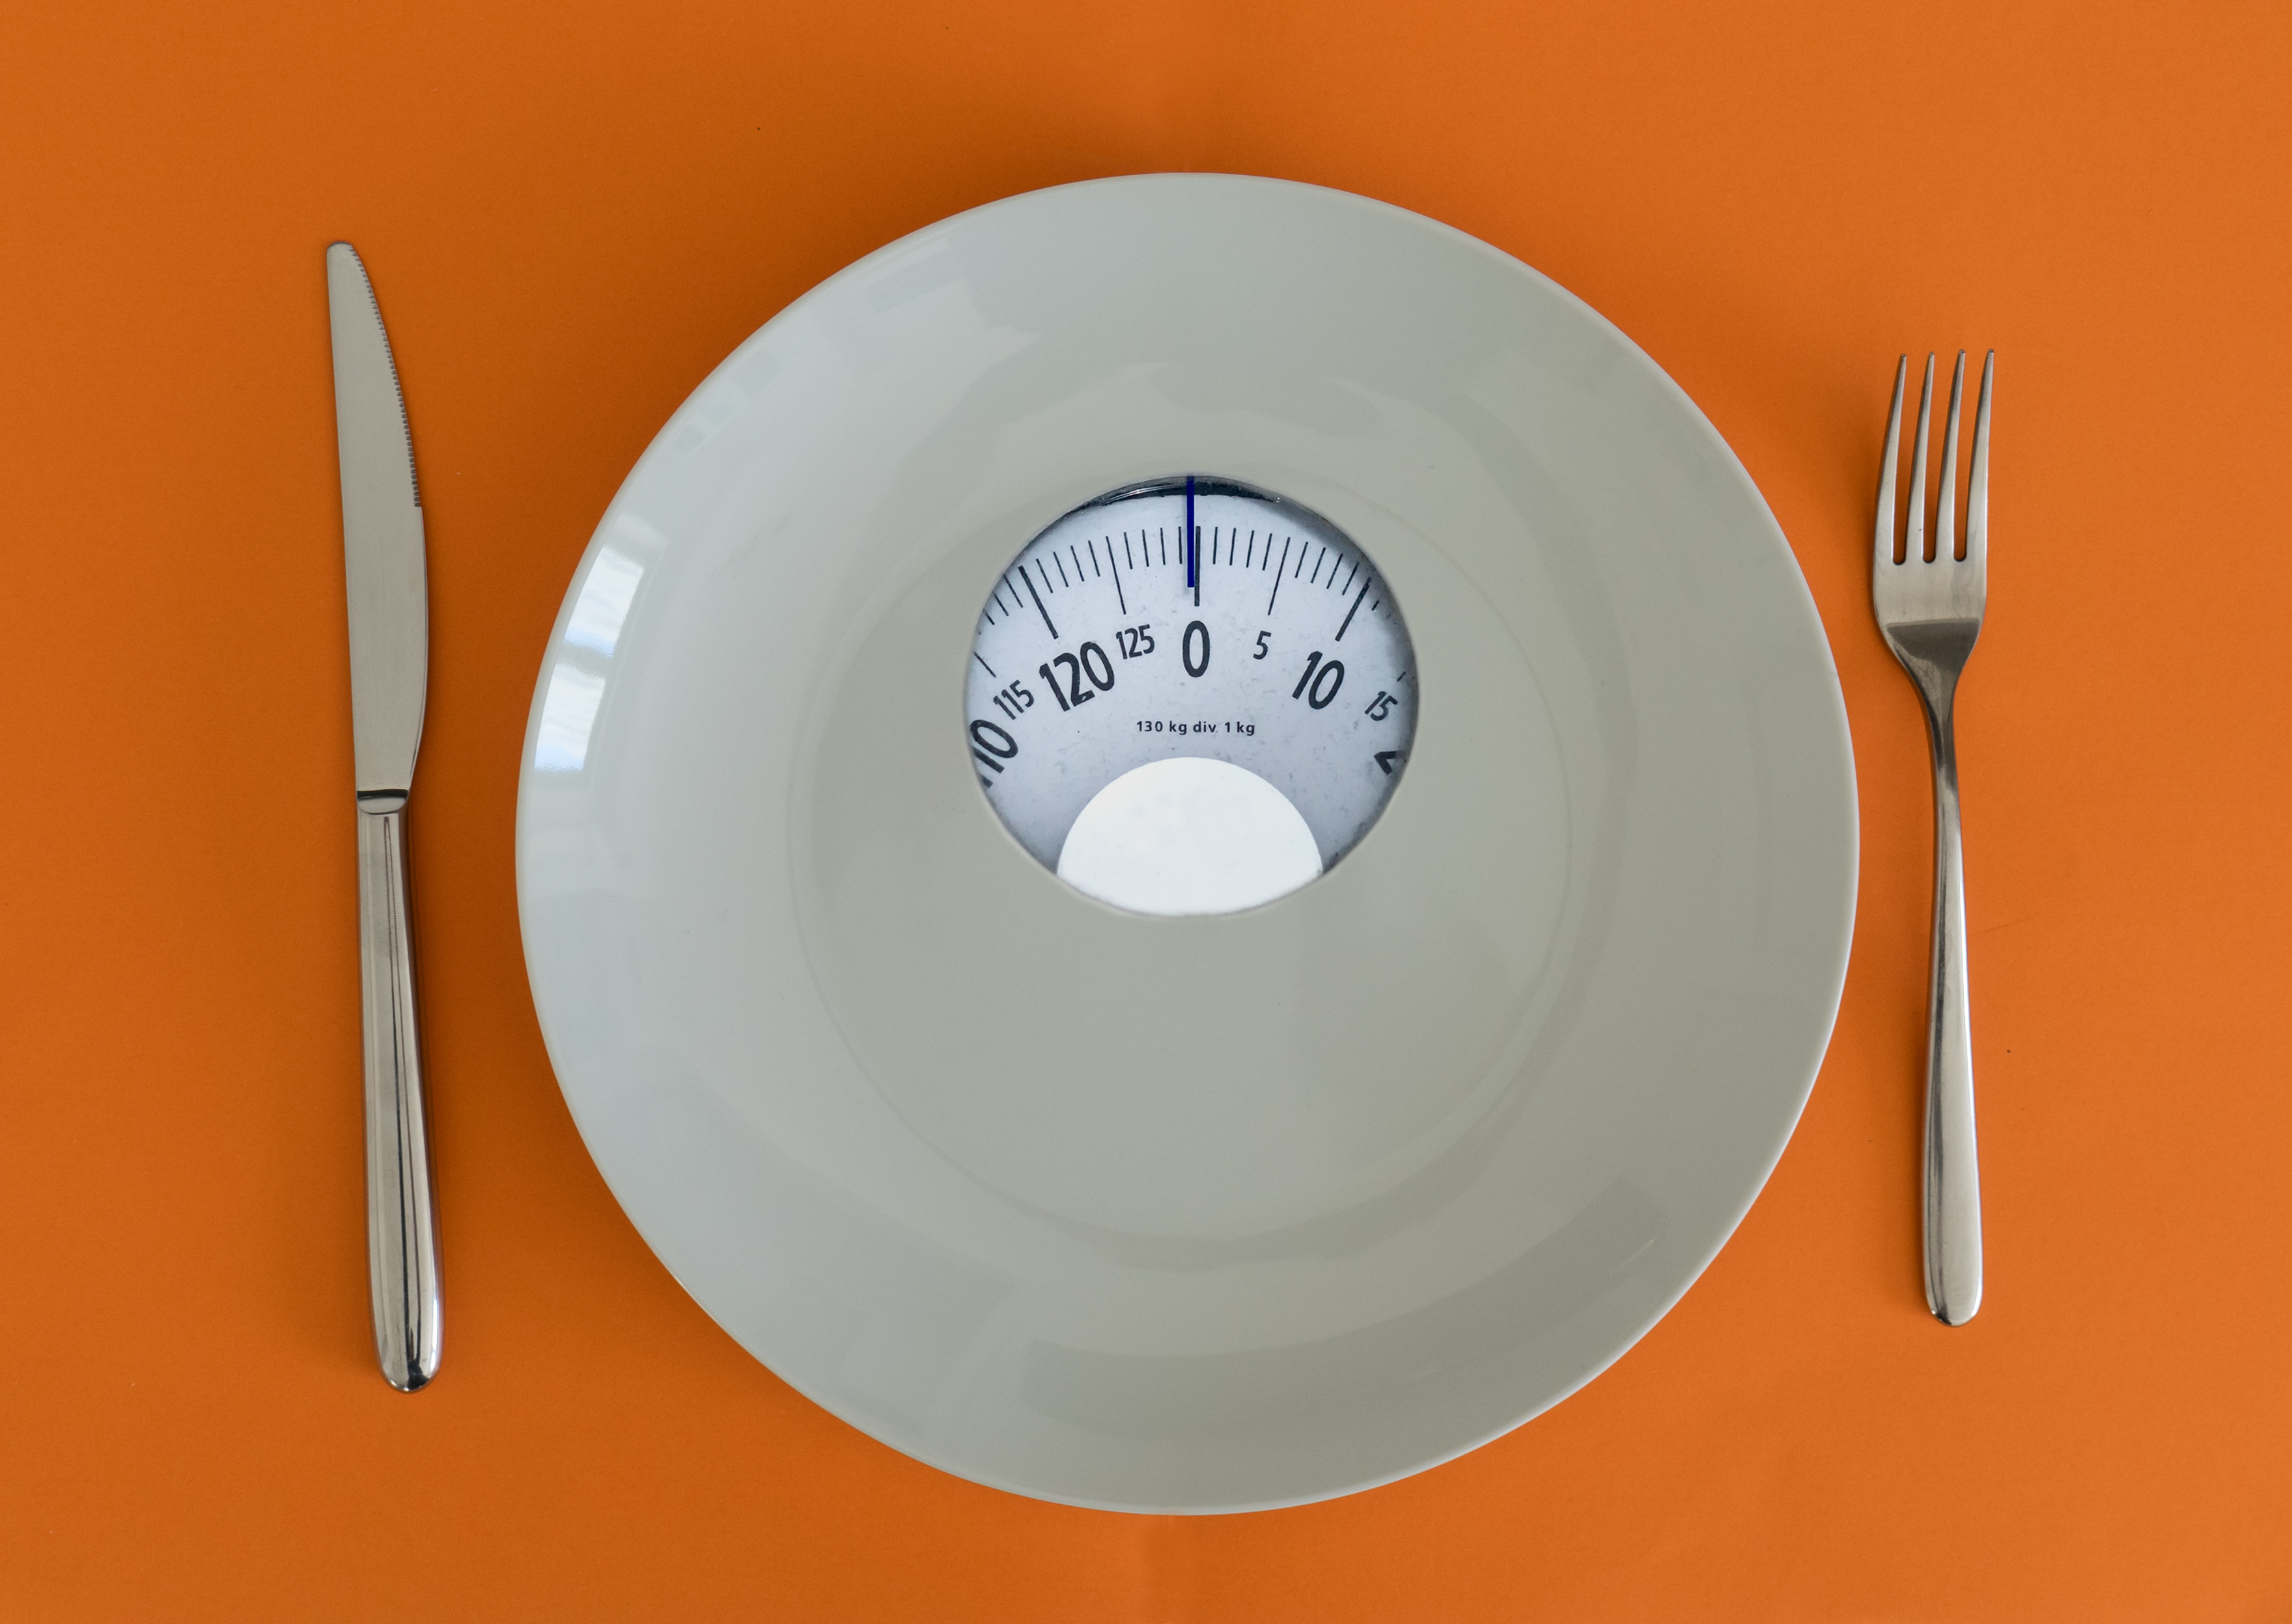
400 1216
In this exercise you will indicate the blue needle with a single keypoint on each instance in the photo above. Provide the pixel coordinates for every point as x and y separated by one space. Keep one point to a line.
1193 547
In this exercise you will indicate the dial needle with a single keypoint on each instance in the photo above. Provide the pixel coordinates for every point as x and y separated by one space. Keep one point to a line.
1193 547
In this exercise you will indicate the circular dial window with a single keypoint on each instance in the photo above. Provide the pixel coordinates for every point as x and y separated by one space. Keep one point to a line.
1191 697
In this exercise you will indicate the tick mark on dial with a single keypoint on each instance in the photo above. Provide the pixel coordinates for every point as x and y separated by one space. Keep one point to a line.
1350 613
1040 610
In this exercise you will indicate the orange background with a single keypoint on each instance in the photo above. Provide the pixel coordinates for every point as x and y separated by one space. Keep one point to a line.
572 211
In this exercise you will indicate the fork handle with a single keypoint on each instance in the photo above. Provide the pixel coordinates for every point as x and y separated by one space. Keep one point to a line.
401 1226
1953 1176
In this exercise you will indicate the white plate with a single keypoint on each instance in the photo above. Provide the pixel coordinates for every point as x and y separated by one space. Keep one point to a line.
1193 1214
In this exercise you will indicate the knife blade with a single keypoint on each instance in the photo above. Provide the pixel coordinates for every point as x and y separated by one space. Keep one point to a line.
386 578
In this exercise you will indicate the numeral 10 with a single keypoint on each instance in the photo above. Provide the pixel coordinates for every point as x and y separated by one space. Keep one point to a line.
1321 682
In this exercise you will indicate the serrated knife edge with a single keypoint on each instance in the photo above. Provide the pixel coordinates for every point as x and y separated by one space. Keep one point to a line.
390 359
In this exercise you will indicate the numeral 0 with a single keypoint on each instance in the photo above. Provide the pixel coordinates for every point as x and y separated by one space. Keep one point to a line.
1195 667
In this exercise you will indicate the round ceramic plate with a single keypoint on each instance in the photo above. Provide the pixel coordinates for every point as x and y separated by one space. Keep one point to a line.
1186 1213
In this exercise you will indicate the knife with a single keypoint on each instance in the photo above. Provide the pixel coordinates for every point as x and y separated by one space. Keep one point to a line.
389 593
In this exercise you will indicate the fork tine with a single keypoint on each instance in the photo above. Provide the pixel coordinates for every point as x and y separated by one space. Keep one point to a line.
1914 549
1887 526
1977 486
1945 502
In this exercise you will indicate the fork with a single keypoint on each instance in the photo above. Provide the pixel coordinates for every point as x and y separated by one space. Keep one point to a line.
1930 610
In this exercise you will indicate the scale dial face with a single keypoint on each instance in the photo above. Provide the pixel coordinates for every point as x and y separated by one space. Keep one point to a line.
1190 616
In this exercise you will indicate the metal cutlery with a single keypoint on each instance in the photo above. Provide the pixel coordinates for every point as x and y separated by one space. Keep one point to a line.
387 579
1930 610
